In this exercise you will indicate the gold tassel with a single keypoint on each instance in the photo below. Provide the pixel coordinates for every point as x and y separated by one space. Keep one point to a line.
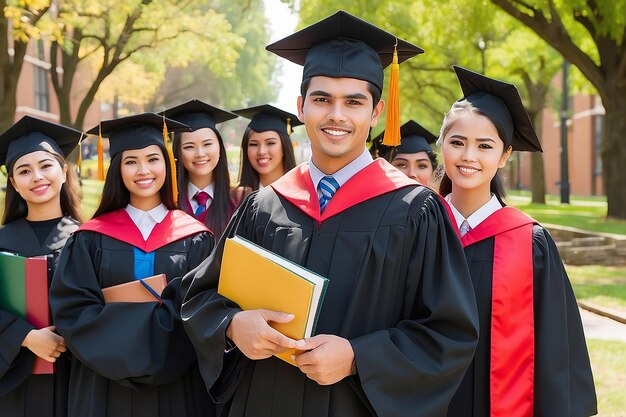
100 155
170 154
392 125
79 160
289 129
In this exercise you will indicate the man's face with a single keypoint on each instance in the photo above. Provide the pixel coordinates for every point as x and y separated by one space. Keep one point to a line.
338 114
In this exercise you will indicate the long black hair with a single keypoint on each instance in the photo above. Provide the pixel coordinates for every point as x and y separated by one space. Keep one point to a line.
248 177
15 207
115 195
496 185
220 212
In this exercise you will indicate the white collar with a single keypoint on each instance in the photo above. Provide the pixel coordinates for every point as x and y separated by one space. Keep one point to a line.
344 174
157 214
193 190
479 215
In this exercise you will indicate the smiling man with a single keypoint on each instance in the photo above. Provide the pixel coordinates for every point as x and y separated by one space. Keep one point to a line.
398 326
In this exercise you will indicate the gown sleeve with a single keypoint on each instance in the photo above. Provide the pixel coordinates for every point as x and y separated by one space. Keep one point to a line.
422 359
206 314
134 344
16 362
563 380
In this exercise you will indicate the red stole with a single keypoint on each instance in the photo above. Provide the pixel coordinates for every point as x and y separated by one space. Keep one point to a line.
512 311
377 178
117 224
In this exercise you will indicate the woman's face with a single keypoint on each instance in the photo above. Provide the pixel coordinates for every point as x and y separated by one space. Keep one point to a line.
200 152
143 173
416 166
38 177
472 153
265 152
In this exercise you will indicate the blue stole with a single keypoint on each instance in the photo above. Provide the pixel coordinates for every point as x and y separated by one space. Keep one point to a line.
144 263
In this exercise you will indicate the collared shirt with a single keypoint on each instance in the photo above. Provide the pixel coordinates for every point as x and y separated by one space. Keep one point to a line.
146 220
478 216
344 174
193 190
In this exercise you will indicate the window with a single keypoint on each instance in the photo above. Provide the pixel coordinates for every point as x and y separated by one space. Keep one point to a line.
42 93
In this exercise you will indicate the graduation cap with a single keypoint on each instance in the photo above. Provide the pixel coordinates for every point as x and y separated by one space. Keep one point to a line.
30 134
267 117
414 138
197 115
137 132
344 46
501 102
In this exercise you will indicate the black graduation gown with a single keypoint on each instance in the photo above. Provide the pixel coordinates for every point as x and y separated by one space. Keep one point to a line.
131 359
563 382
23 394
399 291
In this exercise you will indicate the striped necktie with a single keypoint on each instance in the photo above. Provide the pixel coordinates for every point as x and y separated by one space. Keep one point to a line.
201 197
328 186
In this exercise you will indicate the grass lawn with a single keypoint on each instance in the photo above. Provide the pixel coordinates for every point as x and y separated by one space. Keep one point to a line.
608 361
602 285
587 213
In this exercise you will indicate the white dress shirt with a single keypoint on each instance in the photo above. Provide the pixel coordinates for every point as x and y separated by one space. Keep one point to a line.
193 190
344 174
146 220
477 217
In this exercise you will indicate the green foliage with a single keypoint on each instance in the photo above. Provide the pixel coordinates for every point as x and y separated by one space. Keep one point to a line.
450 31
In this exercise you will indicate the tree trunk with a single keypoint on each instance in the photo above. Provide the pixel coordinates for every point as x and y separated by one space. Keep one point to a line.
536 165
614 151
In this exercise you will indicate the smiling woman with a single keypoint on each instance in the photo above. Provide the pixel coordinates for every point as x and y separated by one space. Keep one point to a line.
41 211
136 233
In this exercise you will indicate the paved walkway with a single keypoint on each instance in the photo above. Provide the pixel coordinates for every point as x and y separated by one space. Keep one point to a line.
599 327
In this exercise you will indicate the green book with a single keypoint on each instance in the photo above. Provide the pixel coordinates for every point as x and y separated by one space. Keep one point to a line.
13 284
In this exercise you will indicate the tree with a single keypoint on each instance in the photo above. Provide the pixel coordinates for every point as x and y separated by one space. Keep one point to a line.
248 82
591 35
17 27
98 37
485 40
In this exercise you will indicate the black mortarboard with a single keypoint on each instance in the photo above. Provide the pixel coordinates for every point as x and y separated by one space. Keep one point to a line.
342 45
267 117
197 114
136 132
414 138
30 135
501 102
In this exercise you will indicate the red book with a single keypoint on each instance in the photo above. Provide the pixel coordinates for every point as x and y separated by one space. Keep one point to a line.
37 309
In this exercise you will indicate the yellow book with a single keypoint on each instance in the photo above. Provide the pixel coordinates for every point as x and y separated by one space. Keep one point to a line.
254 277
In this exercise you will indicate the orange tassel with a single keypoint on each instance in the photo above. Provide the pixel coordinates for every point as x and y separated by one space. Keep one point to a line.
170 154
100 155
392 125
289 129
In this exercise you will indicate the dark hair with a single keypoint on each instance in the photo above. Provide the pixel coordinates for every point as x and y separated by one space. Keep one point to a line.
248 177
445 186
115 195
15 206
220 212
373 90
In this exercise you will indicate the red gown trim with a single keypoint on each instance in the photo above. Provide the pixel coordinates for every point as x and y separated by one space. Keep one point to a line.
117 224
511 378
377 178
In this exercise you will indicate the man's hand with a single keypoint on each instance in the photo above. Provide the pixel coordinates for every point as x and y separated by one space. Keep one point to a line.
328 360
252 334
45 343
